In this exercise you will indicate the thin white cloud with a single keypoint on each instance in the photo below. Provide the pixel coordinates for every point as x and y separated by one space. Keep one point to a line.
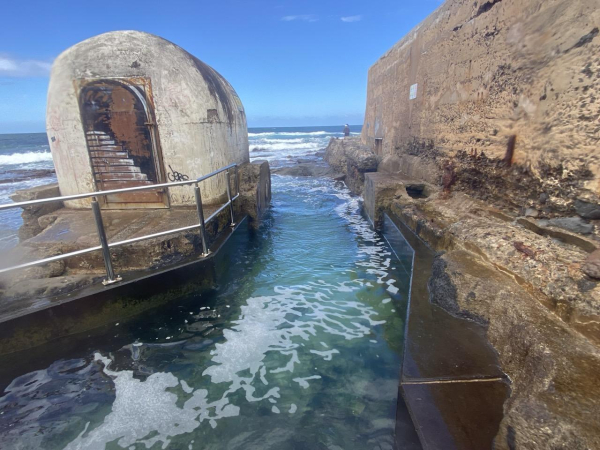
351 18
301 17
11 67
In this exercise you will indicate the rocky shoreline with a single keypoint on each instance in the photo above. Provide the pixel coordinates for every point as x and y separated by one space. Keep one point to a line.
527 281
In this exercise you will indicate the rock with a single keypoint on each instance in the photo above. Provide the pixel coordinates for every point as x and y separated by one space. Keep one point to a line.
31 227
351 157
531 212
572 224
255 189
308 170
208 314
544 198
379 191
548 348
442 292
591 266
587 210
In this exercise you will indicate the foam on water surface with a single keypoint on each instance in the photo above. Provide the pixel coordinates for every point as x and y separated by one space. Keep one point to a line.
304 331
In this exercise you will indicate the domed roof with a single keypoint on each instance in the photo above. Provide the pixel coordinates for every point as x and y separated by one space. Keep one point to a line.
135 53
153 102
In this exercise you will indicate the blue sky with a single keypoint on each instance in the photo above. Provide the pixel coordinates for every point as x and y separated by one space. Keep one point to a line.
293 63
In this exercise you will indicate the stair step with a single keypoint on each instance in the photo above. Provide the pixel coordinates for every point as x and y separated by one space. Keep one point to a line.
130 176
116 169
104 154
94 141
107 148
120 184
98 162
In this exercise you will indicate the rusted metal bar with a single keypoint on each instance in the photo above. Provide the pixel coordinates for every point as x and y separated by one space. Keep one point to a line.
201 219
110 273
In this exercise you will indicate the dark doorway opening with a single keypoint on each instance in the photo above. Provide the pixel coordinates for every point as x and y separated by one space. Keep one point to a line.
122 142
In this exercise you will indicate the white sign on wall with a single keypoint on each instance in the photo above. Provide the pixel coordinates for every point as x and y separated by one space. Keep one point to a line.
413 92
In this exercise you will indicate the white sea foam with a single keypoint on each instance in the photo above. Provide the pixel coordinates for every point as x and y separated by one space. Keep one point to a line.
268 346
291 133
24 158
286 146
298 133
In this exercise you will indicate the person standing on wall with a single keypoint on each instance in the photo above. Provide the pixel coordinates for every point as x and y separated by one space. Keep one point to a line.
346 130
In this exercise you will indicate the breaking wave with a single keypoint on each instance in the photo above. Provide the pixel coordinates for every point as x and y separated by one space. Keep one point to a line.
291 133
24 158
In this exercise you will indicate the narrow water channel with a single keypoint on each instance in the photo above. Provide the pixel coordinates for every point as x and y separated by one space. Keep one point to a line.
299 347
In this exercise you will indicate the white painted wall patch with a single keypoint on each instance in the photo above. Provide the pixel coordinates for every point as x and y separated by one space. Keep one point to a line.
413 92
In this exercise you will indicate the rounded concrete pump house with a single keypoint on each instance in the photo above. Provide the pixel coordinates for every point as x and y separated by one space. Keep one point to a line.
128 109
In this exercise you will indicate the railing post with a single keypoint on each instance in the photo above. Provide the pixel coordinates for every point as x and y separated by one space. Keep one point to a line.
229 197
237 180
198 195
110 273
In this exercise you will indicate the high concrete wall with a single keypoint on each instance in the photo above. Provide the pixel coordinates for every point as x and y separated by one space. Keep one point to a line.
200 119
488 71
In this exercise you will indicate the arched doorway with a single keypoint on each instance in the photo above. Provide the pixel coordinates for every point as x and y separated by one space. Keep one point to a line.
122 141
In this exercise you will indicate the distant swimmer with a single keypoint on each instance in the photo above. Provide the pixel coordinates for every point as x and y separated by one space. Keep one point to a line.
347 130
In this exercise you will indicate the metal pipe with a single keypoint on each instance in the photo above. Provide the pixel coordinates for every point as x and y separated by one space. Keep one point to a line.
151 236
113 191
201 220
212 174
110 273
216 213
51 259
229 200
237 181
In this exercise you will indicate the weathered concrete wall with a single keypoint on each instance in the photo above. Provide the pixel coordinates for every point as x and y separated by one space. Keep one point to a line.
486 71
200 119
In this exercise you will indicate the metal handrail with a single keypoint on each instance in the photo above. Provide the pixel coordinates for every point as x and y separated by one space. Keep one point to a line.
105 246
66 198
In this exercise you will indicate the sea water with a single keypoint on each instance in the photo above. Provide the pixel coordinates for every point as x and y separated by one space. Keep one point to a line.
25 162
298 347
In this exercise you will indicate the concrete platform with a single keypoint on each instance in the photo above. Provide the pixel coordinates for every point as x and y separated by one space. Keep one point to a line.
70 230
32 321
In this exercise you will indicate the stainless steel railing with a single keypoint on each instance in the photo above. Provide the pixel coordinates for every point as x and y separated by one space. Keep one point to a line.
105 246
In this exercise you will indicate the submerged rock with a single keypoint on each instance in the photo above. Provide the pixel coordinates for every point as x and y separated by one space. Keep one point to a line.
308 169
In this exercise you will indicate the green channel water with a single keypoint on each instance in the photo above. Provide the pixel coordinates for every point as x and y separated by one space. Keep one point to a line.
299 347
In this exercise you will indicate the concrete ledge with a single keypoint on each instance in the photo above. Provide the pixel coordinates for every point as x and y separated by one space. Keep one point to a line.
451 378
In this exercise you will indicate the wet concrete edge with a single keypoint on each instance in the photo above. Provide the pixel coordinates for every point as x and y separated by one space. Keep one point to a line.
451 380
